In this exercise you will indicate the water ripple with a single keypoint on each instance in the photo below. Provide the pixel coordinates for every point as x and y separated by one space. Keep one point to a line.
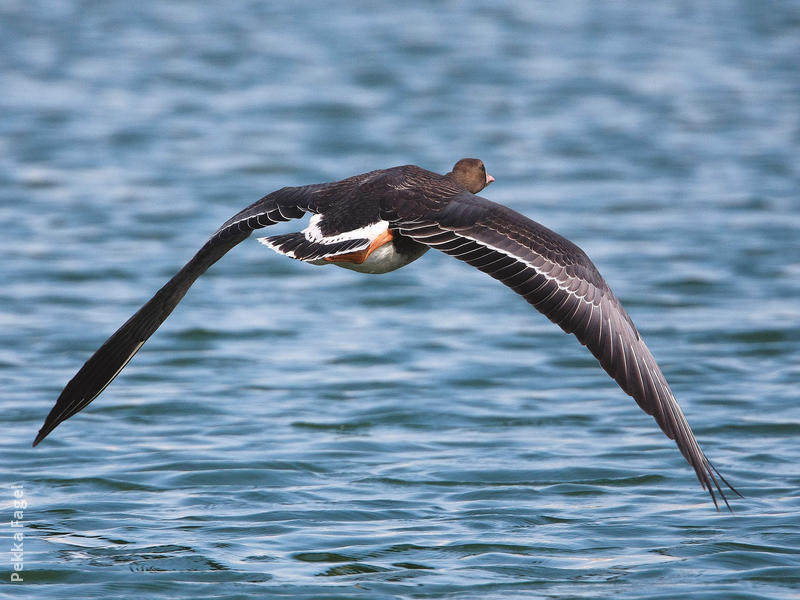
302 432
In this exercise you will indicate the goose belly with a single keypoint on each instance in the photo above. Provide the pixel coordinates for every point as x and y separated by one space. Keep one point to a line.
383 259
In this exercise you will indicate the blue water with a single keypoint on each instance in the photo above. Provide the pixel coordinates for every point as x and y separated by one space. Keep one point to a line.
304 432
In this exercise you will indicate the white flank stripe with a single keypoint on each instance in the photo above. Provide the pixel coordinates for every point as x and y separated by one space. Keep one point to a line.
314 234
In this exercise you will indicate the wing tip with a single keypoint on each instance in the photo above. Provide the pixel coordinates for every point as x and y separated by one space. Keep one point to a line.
712 475
43 433
53 420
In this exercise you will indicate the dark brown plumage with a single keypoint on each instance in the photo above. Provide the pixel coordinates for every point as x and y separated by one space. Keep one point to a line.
471 173
390 217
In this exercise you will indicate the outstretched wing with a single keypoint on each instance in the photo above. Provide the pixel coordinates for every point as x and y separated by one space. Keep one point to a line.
106 363
557 278
282 205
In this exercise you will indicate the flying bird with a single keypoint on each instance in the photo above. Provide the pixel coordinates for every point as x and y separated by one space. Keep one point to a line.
380 221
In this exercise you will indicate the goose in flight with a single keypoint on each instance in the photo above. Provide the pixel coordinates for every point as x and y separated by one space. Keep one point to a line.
382 220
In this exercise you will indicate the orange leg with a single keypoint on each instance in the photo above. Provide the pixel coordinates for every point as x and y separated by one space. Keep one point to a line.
360 256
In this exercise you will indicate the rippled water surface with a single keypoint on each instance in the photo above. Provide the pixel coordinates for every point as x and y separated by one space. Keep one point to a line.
295 431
